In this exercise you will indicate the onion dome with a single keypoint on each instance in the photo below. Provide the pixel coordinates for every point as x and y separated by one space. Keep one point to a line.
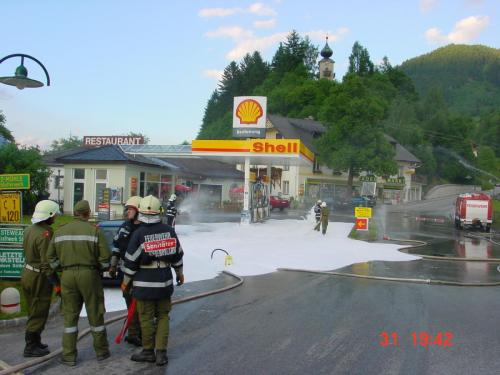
326 52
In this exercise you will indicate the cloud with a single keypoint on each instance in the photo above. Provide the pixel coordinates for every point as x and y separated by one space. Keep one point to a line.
5 95
427 5
258 9
261 9
266 24
464 31
332 36
213 73
43 143
233 32
218 12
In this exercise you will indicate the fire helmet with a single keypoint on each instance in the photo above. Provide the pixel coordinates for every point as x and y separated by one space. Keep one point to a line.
172 198
134 202
319 201
43 210
150 205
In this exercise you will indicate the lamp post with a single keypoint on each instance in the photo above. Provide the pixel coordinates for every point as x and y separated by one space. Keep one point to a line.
20 78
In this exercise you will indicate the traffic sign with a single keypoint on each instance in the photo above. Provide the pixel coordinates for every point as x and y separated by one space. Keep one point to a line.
11 262
11 235
10 208
363 212
362 223
14 181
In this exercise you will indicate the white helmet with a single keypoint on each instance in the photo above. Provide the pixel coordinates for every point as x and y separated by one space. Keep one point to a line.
323 204
133 201
172 198
43 210
149 205
319 201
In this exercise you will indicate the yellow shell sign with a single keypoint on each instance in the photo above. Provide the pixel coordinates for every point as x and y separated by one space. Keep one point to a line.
249 112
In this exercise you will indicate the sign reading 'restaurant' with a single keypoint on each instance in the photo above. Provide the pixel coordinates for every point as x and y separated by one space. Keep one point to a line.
106 140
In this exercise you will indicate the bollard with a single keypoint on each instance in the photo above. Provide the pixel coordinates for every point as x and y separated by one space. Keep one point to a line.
10 301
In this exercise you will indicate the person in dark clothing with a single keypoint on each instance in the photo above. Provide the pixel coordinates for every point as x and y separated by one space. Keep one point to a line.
120 244
171 211
153 249
325 212
317 214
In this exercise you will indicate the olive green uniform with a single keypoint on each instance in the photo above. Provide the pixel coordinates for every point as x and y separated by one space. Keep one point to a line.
80 250
324 219
35 277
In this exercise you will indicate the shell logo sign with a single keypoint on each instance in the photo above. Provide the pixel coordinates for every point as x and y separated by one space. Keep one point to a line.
249 111
249 116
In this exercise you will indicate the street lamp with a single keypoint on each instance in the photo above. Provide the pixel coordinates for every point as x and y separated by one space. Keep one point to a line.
20 78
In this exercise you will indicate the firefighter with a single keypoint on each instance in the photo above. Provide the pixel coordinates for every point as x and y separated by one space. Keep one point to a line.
153 249
80 250
171 211
38 279
325 212
317 214
120 244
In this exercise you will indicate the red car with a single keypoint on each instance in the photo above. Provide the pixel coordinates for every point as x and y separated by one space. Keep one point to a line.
277 202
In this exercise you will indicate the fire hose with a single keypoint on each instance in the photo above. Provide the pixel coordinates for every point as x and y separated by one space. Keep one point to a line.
40 360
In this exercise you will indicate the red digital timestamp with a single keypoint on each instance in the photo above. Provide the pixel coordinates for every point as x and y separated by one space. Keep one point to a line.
423 339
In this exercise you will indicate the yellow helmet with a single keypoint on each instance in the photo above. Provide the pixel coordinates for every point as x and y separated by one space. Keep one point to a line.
43 210
133 201
149 205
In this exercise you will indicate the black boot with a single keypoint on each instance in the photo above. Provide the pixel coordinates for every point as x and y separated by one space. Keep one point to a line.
32 349
39 342
134 340
146 355
161 357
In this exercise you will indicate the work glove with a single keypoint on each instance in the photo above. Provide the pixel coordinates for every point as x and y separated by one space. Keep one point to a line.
112 271
179 277
57 290
126 284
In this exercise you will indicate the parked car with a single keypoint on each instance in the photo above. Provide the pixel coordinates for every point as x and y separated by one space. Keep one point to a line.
363 201
109 228
277 202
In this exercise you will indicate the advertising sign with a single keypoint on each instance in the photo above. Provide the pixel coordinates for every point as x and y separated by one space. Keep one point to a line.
363 212
11 235
11 262
106 140
249 116
14 181
10 208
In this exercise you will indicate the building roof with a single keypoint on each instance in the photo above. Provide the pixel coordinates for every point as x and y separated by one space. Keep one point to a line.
402 154
50 157
293 128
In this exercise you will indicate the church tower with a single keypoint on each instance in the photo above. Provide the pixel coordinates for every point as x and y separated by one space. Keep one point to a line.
326 64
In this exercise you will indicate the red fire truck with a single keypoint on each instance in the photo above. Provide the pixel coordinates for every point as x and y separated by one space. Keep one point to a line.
474 210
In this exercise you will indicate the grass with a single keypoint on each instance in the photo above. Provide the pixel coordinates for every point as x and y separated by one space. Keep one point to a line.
24 308
370 235
496 214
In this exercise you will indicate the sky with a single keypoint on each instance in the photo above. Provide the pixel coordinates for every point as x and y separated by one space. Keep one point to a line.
269 249
121 66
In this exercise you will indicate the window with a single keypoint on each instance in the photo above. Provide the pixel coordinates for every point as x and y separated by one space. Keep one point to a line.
159 185
79 174
101 194
101 174
286 187
286 167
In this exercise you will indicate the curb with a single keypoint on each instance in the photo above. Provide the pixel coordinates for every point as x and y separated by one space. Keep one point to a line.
16 322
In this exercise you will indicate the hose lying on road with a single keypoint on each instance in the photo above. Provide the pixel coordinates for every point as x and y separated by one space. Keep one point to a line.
85 332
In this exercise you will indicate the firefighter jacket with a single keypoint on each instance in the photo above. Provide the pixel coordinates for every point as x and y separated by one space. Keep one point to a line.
78 243
325 212
35 243
171 213
121 240
152 250
317 211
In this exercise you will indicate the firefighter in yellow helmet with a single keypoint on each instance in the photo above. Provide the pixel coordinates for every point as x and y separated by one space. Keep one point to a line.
153 249
38 279
80 250
120 244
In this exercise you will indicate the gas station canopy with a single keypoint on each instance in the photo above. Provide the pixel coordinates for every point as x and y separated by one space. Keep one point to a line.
286 152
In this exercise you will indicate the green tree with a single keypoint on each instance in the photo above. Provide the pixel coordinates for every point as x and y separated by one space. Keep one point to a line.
6 133
295 54
359 61
139 134
15 159
62 144
354 140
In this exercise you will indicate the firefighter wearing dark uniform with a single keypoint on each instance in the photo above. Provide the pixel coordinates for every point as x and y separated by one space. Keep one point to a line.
171 211
120 244
325 212
153 249
317 214
80 250
38 279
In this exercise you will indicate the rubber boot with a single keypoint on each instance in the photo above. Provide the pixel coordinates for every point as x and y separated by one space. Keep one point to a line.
134 340
161 357
39 342
32 349
146 355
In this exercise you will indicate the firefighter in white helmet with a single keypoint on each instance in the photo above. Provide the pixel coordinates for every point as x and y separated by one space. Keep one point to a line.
153 249
38 279
171 211
120 244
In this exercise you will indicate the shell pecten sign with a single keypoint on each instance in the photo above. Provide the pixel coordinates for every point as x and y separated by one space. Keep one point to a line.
249 116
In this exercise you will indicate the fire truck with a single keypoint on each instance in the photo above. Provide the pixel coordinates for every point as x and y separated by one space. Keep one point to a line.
474 210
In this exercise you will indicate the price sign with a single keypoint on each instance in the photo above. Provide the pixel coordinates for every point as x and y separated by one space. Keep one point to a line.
363 212
10 208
